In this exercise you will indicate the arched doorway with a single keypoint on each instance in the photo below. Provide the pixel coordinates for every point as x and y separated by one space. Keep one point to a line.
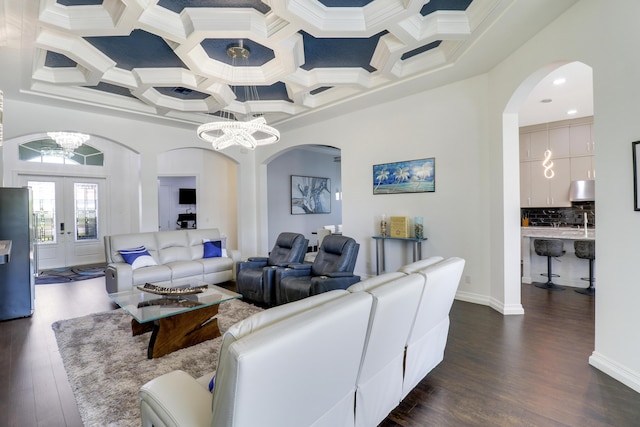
311 162
543 100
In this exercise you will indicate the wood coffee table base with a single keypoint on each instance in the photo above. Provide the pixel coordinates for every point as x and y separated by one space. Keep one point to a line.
179 331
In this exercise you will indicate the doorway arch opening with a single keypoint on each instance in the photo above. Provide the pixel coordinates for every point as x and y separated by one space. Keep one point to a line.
553 96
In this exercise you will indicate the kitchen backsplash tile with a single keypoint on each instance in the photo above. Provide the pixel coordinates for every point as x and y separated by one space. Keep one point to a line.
561 217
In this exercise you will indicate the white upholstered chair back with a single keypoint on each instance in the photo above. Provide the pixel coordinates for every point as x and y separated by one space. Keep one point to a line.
264 370
395 302
428 336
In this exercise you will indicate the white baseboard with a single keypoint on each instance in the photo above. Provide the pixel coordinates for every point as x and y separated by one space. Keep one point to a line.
513 309
619 372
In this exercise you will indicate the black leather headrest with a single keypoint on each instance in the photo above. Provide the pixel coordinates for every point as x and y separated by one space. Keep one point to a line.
335 244
287 240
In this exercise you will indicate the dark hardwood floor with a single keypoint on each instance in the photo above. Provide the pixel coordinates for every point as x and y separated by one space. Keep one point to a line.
529 370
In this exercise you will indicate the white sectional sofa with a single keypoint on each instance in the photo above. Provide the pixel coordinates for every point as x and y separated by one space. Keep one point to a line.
178 255
342 358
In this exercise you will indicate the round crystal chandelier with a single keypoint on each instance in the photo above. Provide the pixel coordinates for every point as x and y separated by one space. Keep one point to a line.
250 133
69 141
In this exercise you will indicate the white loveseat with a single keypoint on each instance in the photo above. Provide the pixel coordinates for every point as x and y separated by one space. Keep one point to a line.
178 255
342 358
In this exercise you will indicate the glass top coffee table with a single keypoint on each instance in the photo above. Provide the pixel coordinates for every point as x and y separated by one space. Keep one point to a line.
175 321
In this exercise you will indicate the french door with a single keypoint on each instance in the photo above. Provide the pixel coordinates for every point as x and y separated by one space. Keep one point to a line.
69 219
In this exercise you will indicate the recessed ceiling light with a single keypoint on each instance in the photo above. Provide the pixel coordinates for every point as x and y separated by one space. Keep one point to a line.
559 81
572 112
546 100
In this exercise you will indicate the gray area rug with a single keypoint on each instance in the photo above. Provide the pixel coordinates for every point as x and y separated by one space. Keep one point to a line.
70 274
106 365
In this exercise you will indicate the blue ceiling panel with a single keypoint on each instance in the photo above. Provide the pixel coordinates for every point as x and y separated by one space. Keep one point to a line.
217 49
339 52
79 2
421 49
435 5
182 93
56 60
345 3
137 50
320 90
275 92
134 36
116 90
177 5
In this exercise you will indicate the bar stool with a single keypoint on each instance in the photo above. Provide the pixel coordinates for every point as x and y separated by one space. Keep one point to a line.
549 248
586 249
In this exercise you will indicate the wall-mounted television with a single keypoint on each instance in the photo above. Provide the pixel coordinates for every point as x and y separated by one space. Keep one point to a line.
187 196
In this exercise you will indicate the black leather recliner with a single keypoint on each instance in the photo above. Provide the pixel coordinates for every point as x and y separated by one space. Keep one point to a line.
255 277
332 269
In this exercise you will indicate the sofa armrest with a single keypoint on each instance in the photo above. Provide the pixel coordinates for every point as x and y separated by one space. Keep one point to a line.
321 284
300 267
292 270
252 262
234 254
175 399
338 274
118 277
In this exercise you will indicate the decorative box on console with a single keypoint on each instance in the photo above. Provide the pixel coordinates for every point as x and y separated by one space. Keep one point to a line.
400 226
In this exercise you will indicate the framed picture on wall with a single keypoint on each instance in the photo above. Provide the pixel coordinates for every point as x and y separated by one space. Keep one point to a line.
310 195
410 176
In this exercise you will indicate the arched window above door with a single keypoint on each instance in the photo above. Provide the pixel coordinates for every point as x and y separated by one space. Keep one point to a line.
47 151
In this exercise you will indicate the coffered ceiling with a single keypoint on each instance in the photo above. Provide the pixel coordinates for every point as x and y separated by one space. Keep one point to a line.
168 58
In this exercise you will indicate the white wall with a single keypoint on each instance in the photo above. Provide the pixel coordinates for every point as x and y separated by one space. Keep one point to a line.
120 170
446 123
133 160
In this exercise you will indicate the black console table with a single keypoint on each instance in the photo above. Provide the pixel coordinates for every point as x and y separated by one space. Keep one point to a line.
380 241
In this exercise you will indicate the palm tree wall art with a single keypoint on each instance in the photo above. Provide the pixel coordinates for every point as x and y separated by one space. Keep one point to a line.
411 176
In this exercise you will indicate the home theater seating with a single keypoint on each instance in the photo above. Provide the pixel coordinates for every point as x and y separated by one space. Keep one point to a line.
339 358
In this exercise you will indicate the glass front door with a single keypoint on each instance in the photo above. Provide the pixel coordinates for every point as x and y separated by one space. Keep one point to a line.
68 220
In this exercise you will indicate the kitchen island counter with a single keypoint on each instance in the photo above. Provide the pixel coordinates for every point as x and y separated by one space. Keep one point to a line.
565 233
570 268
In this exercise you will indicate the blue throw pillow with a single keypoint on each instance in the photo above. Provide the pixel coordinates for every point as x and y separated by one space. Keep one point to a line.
138 257
212 383
212 249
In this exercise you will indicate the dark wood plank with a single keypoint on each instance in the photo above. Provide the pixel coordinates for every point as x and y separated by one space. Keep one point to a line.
520 370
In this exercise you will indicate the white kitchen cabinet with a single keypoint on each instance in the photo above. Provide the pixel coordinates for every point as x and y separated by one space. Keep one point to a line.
533 145
525 184
583 168
539 144
536 190
525 146
581 140
559 142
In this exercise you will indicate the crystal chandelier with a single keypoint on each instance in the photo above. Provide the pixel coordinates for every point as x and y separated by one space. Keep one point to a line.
68 141
251 132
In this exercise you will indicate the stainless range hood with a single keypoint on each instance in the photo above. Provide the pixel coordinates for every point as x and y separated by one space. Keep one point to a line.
582 191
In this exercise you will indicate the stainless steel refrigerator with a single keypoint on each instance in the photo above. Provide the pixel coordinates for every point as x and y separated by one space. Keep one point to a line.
17 272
